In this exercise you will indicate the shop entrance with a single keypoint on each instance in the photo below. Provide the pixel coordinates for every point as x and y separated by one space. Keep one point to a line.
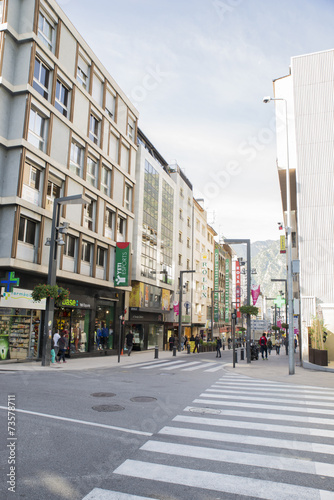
75 324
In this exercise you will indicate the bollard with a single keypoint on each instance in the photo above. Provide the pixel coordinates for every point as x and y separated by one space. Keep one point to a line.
156 352
236 357
242 355
188 349
174 350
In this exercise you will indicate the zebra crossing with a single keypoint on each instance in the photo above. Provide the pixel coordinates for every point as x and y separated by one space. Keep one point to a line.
241 438
181 365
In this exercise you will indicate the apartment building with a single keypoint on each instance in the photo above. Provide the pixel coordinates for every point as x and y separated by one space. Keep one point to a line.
66 128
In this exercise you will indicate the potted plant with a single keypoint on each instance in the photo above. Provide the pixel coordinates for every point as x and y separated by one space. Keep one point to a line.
318 354
53 292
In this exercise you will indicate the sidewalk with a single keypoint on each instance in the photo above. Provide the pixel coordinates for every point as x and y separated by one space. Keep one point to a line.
93 363
277 369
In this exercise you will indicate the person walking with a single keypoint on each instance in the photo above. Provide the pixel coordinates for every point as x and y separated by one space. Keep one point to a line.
62 347
269 345
56 337
218 347
129 342
171 342
263 345
197 341
278 346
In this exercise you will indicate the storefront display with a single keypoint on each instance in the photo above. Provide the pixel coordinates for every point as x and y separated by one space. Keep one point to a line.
104 327
19 333
75 324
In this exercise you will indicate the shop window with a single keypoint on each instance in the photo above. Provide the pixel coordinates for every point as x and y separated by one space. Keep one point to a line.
27 231
46 31
77 158
94 129
41 78
91 173
62 98
109 224
37 129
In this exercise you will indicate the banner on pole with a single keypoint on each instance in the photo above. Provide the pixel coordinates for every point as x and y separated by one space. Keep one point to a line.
122 264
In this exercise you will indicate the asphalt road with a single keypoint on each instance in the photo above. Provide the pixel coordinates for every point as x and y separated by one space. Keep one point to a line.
195 432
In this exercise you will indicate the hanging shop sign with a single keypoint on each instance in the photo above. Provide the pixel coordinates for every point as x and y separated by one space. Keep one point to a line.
205 259
122 264
282 244
19 298
237 288
227 289
216 286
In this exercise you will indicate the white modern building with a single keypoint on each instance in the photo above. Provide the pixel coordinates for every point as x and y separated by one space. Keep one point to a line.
308 93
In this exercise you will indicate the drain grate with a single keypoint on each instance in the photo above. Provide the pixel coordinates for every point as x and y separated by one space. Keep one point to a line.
143 399
108 408
103 394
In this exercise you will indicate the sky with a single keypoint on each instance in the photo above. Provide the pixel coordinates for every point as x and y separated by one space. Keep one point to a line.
197 72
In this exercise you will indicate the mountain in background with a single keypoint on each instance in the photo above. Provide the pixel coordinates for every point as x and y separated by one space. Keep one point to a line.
268 262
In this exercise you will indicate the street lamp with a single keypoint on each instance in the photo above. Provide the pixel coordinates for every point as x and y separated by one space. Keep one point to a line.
286 294
180 305
55 240
247 242
288 230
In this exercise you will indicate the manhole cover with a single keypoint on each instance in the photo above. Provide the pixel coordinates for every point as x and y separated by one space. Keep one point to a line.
103 394
108 408
143 399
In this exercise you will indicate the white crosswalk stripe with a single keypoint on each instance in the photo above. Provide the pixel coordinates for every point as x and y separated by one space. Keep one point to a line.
240 438
182 365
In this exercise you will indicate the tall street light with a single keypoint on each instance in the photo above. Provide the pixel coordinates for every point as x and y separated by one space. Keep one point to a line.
288 230
248 336
286 294
180 305
53 242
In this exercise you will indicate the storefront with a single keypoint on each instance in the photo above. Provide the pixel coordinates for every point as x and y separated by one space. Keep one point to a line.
147 328
20 325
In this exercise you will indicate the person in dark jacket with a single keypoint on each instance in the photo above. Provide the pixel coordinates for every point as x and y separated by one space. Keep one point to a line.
218 347
197 341
263 345
129 342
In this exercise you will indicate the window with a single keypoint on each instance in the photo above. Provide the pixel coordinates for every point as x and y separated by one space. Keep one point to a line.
46 30
198 225
188 221
53 191
181 193
91 174
113 147
70 246
293 239
1 11
86 251
180 237
131 129
105 180
188 242
31 184
94 129
89 215
83 73
110 104
128 197
61 101
121 228
181 214
180 259
77 158
41 78
125 155
197 245
109 224
101 256
37 129
27 230
97 90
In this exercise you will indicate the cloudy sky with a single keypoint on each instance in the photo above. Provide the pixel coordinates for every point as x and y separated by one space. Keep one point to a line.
197 71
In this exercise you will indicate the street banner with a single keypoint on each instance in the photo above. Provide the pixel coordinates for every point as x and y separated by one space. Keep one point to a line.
255 293
122 264
216 287
237 288
282 244
227 290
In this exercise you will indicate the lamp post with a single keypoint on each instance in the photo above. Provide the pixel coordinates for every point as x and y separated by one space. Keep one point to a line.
53 242
286 294
288 230
180 305
247 242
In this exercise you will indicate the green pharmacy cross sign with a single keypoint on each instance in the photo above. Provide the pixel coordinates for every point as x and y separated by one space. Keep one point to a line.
10 282
279 301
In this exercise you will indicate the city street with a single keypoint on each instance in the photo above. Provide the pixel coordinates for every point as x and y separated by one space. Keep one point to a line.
184 427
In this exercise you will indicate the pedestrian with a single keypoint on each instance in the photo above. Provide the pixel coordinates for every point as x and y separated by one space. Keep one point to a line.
278 346
197 341
53 356
269 345
263 345
185 341
129 342
62 347
171 342
56 337
218 347
182 342
296 344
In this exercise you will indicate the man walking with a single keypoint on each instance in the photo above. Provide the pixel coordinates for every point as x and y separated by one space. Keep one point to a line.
263 345
219 344
129 342
197 341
